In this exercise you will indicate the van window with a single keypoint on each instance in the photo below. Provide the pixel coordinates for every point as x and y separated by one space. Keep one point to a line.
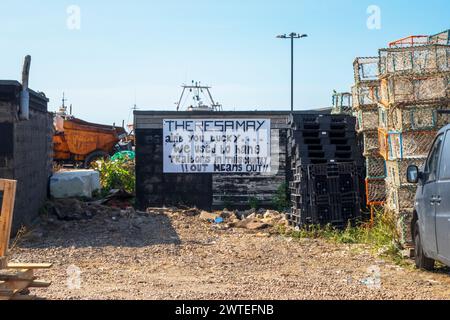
433 160
444 171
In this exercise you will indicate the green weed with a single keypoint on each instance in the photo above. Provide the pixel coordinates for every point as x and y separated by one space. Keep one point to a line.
280 201
382 235
117 174
254 203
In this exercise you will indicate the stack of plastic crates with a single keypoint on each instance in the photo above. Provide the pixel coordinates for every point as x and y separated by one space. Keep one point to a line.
326 164
365 107
414 75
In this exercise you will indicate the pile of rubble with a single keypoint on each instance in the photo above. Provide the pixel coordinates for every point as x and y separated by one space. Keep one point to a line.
66 210
250 219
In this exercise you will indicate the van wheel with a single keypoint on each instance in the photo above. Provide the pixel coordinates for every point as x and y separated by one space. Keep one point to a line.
422 262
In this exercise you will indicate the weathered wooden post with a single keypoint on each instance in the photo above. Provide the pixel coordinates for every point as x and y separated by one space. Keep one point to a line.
8 191
15 278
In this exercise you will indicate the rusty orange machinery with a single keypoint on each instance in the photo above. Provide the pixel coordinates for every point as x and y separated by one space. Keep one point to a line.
76 140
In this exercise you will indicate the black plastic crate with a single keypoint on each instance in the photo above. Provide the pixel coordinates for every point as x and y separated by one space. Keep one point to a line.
318 161
299 136
322 122
326 194
350 213
310 161
334 169
303 148
334 198
336 214
324 141
323 160
298 169
300 194
331 152
301 188
302 217
322 127
324 185
327 155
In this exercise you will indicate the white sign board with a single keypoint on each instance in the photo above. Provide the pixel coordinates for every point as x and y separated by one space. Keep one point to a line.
216 146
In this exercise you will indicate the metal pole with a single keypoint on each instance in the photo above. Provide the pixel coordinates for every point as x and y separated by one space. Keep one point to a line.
292 72
292 36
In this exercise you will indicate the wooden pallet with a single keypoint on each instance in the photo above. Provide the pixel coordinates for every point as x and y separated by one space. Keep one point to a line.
15 278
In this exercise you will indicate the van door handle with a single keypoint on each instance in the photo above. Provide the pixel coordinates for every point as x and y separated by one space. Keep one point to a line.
433 200
438 200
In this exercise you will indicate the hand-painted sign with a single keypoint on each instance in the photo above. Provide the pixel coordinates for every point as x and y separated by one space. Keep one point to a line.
217 146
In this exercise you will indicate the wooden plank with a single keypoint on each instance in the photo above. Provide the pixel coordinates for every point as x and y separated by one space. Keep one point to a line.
6 292
16 275
6 215
3 262
18 285
40 284
29 265
19 297
156 121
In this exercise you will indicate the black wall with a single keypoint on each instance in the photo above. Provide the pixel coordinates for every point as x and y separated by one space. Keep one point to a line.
155 189
25 151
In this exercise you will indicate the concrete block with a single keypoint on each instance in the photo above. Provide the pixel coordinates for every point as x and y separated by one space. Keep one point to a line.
74 183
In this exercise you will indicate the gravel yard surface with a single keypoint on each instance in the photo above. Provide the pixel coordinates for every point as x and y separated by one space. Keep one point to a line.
168 254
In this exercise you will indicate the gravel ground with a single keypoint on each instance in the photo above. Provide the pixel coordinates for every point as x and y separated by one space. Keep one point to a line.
168 255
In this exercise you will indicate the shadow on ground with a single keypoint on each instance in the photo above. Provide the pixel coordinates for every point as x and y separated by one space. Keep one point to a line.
103 231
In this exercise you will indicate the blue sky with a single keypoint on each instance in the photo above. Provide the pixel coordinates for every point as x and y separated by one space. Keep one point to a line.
144 50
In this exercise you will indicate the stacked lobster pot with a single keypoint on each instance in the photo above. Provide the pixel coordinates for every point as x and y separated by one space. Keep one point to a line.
325 163
365 108
442 38
414 78
342 103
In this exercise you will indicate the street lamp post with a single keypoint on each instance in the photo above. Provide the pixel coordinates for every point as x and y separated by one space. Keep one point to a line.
292 36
